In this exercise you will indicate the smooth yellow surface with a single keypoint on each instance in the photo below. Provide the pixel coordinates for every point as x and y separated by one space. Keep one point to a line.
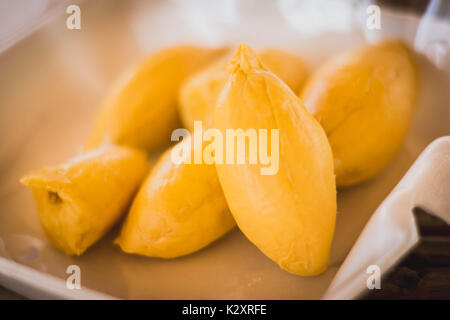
364 100
179 209
289 216
199 93
80 200
287 66
141 110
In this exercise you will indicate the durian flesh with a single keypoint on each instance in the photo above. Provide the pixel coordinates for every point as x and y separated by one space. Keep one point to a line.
141 111
199 92
290 215
364 100
179 209
80 200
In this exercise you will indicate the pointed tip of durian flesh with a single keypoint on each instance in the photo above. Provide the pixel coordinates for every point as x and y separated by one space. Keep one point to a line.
44 177
244 59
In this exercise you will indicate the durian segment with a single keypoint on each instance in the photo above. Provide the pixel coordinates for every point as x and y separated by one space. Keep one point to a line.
80 200
141 111
364 100
287 66
289 214
199 92
179 209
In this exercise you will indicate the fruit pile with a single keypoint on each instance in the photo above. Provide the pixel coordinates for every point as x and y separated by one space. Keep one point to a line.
337 127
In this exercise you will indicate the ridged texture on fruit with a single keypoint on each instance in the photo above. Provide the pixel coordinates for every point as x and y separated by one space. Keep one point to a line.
290 216
80 200
199 92
179 209
141 110
364 100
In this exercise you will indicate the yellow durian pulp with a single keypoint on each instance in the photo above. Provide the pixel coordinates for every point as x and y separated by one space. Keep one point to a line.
364 100
179 209
290 215
199 92
141 111
81 199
